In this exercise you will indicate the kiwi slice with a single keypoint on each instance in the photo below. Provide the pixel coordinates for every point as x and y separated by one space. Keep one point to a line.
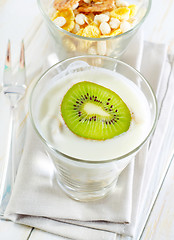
94 112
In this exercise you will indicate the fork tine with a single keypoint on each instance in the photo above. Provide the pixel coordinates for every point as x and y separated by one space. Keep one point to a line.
7 67
8 56
21 75
22 56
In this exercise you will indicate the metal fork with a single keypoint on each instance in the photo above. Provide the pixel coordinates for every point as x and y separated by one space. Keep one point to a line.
14 88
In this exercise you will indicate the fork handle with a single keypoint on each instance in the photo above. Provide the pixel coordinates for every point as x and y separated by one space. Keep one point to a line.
9 168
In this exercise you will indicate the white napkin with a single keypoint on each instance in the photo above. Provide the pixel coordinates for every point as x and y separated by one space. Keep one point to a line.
37 201
161 149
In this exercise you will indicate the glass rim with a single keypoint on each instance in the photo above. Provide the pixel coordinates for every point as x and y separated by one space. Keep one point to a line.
95 39
74 159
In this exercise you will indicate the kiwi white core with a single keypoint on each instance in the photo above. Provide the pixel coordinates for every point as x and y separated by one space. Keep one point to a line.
91 108
62 139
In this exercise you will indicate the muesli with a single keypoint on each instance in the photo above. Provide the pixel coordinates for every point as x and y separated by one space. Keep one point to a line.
94 19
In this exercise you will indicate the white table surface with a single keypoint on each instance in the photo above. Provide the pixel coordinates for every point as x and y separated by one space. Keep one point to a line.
16 19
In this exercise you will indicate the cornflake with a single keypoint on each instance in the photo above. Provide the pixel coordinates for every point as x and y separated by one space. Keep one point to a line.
91 31
116 32
133 10
121 13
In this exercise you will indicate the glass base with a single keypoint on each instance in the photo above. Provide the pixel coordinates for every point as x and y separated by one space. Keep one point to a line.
87 195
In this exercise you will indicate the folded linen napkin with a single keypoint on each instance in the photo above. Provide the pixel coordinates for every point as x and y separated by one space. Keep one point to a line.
37 201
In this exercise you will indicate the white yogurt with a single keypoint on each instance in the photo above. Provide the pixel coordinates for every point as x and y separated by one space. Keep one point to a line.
53 128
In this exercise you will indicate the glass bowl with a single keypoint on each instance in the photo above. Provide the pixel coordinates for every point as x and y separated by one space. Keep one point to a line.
69 44
84 179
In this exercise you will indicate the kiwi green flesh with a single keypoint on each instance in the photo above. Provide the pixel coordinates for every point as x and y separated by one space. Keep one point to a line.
112 116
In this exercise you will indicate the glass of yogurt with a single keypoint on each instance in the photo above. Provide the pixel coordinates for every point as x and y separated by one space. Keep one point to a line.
88 169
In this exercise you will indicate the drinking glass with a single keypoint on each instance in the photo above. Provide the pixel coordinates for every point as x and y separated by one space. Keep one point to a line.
69 44
82 179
